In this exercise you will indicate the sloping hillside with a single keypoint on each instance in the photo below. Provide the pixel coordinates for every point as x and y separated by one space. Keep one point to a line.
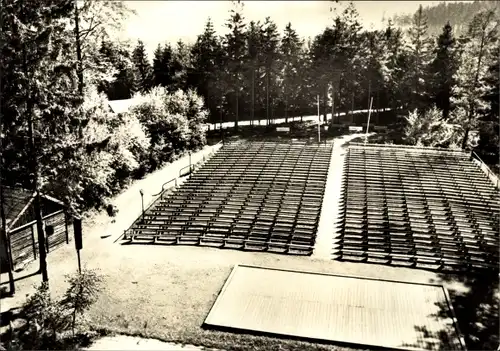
458 13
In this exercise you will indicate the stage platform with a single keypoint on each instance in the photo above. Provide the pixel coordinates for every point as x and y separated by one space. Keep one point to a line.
335 309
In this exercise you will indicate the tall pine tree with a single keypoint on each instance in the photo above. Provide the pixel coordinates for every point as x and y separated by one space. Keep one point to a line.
489 131
39 95
476 58
253 63
442 69
420 57
182 67
142 68
206 54
270 46
163 66
395 64
122 82
290 53
235 52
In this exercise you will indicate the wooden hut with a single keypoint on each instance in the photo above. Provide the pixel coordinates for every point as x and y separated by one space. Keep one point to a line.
21 226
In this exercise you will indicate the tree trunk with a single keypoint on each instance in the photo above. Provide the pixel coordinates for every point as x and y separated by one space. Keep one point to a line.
378 102
253 93
286 98
286 108
467 128
73 321
471 106
78 51
338 108
237 109
325 103
352 106
339 93
267 98
369 91
221 112
6 240
466 136
34 173
446 103
333 102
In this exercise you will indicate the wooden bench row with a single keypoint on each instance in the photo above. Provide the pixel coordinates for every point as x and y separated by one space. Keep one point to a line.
415 260
248 244
377 177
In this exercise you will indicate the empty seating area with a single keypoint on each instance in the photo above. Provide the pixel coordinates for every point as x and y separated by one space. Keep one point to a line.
263 196
418 207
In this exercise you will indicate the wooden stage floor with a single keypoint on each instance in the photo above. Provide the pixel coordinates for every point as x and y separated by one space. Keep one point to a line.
335 309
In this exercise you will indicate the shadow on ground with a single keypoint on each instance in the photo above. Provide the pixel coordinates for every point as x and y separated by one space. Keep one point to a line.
476 309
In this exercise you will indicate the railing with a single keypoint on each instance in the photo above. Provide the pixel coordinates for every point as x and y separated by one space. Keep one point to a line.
183 168
158 196
484 167
163 189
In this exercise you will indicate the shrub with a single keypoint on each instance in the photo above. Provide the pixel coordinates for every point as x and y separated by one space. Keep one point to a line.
85 170
174 122
429 129
82 292
192 106
44 317
49 321
129 145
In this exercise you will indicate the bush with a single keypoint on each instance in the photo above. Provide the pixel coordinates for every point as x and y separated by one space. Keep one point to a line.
84 170
49 322
130 146
430 129
190 105
174 123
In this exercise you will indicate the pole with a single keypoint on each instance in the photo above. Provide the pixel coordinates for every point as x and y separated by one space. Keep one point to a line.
41 237
319 117
6 241
79 261
368 124
142 203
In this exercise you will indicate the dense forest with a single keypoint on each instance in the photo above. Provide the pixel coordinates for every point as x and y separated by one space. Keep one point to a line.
458 14
61 64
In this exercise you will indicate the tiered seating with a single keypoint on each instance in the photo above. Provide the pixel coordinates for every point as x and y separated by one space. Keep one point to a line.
415 206
250 195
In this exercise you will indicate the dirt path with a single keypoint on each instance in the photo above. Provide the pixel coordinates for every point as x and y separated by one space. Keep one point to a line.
132 343
329 210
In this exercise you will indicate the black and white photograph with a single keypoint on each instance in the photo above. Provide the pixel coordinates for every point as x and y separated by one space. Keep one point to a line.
249 175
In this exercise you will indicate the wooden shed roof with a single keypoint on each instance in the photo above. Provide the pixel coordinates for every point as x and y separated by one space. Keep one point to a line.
16 202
